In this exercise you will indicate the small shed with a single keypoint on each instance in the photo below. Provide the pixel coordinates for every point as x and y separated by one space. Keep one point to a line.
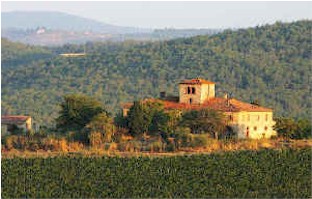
9 123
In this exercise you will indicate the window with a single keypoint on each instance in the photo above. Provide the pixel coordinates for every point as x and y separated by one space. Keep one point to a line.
193 90
265 128
255 128
191 100
247 132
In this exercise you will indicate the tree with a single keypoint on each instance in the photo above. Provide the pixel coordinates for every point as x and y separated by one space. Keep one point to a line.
204 121
285 127
159 123
289 128
138 119
304 129
102 123
77 111
147 117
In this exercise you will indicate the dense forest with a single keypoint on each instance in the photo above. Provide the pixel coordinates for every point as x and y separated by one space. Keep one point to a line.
269 64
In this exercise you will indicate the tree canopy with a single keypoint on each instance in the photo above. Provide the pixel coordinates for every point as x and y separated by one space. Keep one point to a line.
204 121
267 64
79 110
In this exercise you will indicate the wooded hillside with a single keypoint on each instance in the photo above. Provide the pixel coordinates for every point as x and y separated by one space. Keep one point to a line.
269 64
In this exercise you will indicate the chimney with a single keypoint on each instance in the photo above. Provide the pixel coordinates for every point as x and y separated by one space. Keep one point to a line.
226 96
162 94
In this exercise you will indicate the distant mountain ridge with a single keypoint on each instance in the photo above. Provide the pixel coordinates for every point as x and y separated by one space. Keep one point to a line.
57 28
60 21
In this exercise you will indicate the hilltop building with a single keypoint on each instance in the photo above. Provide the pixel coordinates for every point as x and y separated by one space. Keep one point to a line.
11 122
247 120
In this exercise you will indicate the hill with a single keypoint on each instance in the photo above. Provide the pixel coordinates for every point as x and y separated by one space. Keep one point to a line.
59 21
57 28
14 54
269 64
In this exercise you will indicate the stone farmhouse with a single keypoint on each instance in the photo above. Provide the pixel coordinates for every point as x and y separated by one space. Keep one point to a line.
245 119
11 122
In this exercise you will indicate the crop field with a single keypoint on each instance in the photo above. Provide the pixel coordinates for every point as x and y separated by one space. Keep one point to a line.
247 174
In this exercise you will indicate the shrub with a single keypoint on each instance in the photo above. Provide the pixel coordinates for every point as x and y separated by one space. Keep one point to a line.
112 146
193 140
63 145
131 146
9 142
75 146
170 147
156 146
96 139
200 140
121 135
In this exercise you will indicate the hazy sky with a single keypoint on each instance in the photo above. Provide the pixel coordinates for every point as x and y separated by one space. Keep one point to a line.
203 14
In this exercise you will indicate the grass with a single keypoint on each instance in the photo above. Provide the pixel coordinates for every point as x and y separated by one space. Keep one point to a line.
130 149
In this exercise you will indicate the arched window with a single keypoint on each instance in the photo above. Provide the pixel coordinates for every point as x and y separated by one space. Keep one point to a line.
188 90
191 100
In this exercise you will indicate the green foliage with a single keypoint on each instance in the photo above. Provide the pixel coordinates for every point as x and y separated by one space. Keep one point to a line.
138 119
77 111
103 124
17 54
285 127
244 174
120 121
15 130
267 64
159 123
148 117
193 140
303 129
204 121
289 128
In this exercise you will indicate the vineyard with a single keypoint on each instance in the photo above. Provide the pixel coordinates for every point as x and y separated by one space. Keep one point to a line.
247 174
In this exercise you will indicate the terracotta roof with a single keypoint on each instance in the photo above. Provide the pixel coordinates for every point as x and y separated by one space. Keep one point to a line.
196 81
16 119
220 104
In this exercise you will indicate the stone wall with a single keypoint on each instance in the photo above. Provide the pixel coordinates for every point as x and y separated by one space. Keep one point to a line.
184 97
202 93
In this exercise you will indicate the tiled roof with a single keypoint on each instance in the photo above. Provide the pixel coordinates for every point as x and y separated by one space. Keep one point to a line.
220 104
16 119
196 81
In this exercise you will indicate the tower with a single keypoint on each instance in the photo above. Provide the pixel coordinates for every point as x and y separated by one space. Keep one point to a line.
196 91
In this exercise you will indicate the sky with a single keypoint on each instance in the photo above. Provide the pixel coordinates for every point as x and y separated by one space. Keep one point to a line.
174 14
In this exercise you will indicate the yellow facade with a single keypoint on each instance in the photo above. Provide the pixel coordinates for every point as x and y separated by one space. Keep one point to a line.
254 125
